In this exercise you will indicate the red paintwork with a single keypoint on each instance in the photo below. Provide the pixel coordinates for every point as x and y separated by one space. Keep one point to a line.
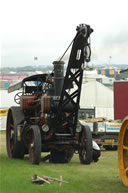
120 99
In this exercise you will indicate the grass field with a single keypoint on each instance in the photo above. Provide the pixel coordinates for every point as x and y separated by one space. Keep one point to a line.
100 177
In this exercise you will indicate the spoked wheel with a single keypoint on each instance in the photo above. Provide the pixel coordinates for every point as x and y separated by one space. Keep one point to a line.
15 146
34 144
85 150
17 97
123 151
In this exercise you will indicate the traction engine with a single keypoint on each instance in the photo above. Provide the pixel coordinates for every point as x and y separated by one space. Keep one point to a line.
123 151
46 118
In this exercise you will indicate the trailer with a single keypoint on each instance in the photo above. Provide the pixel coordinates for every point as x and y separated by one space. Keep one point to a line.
104 132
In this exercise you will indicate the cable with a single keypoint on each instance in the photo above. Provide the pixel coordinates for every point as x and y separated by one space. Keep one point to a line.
66 50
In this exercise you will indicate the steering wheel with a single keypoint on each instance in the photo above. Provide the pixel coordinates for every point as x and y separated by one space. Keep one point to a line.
17 97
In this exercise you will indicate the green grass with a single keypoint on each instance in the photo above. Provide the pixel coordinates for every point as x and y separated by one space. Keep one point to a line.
100 177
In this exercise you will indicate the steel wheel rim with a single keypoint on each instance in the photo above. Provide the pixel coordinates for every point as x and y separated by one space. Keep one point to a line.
34 142
31 147
10 136
82 151
123 151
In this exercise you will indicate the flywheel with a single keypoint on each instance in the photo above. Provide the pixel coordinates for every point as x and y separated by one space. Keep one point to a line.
123 151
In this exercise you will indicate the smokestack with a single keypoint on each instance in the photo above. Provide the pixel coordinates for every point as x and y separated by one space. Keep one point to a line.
58 76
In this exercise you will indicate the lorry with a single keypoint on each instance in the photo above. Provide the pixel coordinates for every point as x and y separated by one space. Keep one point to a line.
46 119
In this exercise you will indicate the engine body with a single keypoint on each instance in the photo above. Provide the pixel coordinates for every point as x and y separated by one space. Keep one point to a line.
49 107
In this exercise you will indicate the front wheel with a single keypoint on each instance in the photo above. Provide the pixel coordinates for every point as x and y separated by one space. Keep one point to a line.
85 150
34 144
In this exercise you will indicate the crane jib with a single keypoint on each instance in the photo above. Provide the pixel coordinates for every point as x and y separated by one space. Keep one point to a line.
69 101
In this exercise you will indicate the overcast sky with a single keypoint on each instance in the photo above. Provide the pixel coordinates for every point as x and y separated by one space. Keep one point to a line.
44 28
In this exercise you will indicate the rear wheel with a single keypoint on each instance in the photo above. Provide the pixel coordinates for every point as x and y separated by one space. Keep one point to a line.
85 150
14 144
123 151
34 144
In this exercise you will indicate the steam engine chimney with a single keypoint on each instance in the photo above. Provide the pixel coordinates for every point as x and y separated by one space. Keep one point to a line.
58 76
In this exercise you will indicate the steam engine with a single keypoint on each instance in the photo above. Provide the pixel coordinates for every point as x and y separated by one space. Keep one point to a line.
46 119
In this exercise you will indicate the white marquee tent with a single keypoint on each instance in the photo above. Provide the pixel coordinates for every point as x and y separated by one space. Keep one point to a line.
95 94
